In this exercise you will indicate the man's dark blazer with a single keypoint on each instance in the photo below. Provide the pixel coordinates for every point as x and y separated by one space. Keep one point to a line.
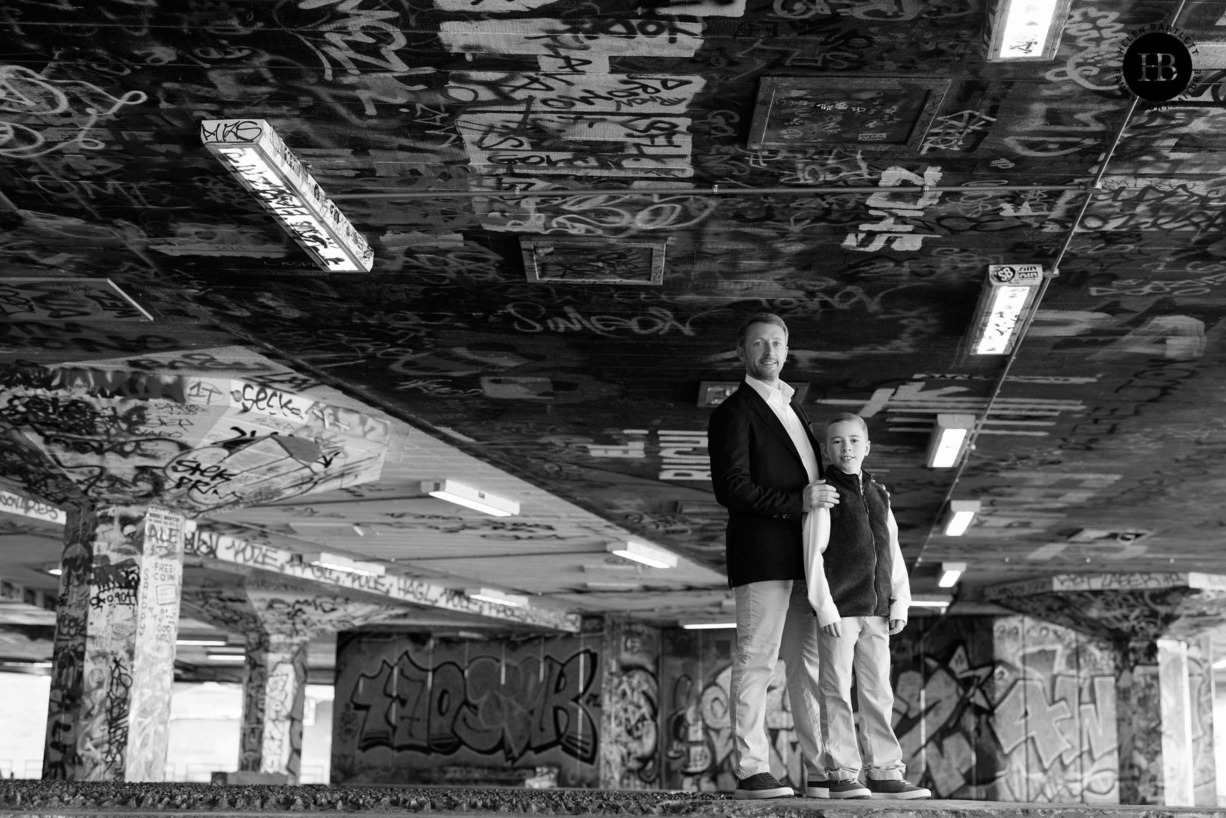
759 476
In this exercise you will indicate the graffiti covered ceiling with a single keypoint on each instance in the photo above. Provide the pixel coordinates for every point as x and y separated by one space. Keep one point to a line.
571 206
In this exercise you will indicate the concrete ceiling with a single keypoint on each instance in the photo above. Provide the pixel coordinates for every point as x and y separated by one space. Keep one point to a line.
553 348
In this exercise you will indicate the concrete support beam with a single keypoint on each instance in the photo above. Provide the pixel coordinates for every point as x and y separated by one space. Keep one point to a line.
216 550
113 666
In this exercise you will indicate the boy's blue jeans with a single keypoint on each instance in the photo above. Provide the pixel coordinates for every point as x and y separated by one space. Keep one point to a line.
863 648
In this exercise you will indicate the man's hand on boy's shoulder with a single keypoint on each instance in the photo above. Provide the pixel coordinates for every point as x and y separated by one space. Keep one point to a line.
819 494
896 625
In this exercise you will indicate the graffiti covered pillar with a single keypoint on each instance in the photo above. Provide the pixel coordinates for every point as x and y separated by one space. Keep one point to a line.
1165 707
696 724
115 442
630 751
274 682
274 692
113 663
1154 624
278 619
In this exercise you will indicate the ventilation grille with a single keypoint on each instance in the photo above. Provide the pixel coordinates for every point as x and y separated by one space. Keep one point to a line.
580 260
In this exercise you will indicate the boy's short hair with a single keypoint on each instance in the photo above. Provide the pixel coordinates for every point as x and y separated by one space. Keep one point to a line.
759 318
844 417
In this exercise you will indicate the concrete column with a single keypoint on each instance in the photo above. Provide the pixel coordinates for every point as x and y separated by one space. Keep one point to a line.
274 692
1157 712
279 619
113 666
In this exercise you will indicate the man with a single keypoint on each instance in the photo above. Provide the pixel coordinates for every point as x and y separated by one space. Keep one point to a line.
765 469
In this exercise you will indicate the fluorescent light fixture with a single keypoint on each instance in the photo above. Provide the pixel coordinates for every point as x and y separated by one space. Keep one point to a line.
959 517
1220 664
613 585
55 570
336 562
25 664
707 626
651 555
948 437
256 156
938 602
1024 29
614 566
469 497
498 597
201 642
951 572
1009 291
226 657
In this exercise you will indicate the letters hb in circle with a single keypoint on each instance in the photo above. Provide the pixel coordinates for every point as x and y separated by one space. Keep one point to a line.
1157 66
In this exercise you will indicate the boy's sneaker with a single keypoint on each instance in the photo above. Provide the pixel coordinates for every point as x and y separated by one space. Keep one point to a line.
818 789
763 785
896 789
849 788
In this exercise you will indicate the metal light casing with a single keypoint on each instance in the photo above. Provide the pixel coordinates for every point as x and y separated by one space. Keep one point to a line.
949 436
959 517
260 160
1009 291
469 497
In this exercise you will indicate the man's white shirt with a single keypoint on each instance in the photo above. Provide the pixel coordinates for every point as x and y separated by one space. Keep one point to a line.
779 399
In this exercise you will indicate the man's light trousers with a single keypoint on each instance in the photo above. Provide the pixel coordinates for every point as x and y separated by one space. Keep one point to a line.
774 621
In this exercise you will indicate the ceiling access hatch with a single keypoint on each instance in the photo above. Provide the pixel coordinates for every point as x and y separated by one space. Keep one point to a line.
877 112
591 260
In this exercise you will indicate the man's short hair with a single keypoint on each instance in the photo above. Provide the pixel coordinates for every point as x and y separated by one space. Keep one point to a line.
759 318
844 417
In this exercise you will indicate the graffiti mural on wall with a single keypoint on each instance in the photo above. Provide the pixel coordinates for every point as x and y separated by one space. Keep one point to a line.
1055 692
428 705
696 673
1008 709
943 707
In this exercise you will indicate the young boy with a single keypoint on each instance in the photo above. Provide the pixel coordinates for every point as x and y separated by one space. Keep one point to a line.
858 587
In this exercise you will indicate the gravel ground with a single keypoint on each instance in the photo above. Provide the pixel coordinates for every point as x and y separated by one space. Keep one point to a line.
34 795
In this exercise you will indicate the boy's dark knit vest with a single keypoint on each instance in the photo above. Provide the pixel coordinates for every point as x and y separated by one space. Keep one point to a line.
858 559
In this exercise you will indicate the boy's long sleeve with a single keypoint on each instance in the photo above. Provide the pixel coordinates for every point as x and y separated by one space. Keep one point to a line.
900 585
817 537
